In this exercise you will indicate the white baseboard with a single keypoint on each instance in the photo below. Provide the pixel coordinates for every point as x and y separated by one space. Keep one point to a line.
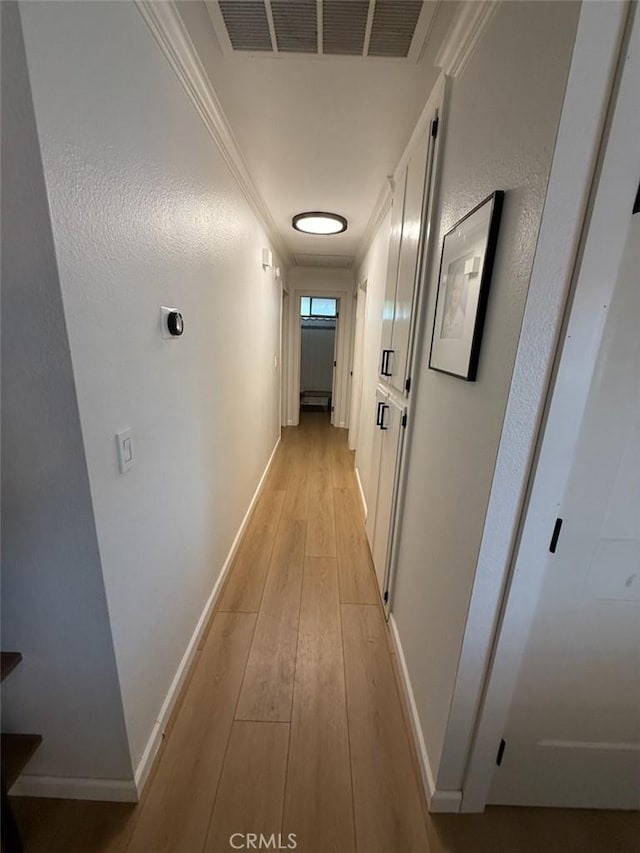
129 790
153 744
438 801
364 503
59 787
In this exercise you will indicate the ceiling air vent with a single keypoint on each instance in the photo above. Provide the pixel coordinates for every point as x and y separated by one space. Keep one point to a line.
394 23
335 261
295 23
344 27
380 29
247 24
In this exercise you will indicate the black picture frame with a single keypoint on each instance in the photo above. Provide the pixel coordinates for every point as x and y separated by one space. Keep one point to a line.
464 277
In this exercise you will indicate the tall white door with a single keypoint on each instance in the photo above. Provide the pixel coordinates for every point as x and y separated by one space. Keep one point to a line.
393 259
408 263
390 426
573 732
374 467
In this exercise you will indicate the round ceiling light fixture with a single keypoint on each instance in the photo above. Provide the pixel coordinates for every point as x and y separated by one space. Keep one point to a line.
318 222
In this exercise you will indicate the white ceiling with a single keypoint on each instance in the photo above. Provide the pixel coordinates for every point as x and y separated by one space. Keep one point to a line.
319 133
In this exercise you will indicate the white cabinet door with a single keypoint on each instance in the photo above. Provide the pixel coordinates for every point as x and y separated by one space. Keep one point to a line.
395 239
410 244
374 467
390 427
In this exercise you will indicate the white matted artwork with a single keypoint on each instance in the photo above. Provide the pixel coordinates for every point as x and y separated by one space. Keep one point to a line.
468 250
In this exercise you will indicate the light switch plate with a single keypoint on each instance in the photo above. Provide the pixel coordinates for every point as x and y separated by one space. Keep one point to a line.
124 443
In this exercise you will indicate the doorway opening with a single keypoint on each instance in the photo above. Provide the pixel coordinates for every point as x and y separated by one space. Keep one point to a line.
318 338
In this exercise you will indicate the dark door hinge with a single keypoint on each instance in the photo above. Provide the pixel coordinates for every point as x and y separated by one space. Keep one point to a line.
434 127
332 408
385 597
636 204
335 363
407 384
404 419
555 535
500 754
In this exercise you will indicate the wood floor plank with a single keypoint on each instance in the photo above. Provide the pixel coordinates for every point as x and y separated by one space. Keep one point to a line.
357 577
267 689
175 814
278 476
342 467
321 533
388 811
318 801
243 590
251 790
296 502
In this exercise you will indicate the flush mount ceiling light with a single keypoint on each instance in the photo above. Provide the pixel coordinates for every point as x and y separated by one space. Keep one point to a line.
317 222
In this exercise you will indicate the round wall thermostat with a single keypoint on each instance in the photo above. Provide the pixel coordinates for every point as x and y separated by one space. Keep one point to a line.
175 323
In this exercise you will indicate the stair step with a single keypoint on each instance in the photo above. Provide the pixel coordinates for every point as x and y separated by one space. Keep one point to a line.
8 662
16 752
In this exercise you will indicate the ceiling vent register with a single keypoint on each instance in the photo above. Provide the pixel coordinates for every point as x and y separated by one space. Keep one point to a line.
391 29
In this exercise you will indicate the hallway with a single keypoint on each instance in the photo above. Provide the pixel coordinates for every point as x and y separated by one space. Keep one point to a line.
295 665
291 721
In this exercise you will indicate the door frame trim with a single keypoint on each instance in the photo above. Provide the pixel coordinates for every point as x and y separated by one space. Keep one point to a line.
581 242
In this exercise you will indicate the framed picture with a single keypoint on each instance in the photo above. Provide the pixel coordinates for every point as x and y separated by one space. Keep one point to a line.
468 250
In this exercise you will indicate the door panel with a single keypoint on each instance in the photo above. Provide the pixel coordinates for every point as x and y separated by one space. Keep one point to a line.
391 431
408 262
395 239
573 732
374 468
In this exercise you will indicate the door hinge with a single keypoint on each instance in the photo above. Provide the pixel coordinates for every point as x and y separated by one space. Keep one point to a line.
434 127
385 597
636 204
407 384
335 363
555 535
500 754
332 408
404 419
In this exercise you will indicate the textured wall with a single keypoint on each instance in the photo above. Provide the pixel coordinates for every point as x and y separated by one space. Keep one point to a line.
146 213
54 608
500 133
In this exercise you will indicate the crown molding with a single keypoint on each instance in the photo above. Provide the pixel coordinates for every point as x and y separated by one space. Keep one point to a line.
464 34
169 31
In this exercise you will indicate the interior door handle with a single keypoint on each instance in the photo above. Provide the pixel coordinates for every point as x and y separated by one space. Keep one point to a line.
379 414
382 423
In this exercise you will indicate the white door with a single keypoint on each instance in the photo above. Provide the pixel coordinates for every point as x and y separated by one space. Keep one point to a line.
414 202
395 240
390 426
573 731
374 466
356 378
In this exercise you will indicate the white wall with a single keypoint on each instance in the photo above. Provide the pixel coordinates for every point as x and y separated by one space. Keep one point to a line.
54 608
311 281
374 270
146 213
500 131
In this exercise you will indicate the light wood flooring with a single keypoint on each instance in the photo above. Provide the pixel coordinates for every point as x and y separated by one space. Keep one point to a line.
291 720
